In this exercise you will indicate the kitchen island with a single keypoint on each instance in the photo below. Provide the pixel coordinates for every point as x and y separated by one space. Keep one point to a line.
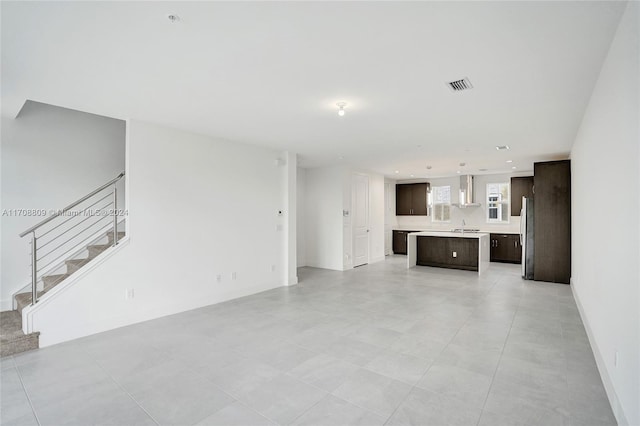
457 250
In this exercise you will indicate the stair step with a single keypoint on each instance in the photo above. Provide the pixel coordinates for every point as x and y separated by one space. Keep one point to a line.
110 236
97 249
24 299
12 339
50 281
15 344
74 264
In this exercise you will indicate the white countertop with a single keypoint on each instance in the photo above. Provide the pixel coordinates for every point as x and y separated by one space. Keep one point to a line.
445 231
450 234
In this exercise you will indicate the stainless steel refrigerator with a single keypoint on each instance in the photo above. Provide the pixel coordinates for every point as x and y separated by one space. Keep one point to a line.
526 237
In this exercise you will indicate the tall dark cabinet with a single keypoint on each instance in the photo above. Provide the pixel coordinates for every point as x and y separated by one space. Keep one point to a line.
552 221
520 187
411 199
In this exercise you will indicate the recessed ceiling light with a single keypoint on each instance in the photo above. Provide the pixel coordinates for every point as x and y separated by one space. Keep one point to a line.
509 161
514 167
502 147
458 171
428 167
397 171
411 175
341 106
173 18
463 164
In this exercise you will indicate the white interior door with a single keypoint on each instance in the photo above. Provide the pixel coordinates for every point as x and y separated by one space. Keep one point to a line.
360 197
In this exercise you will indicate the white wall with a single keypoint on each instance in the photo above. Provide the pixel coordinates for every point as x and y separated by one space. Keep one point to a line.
389 214
199 208
324 224
474 217
605 276
301 223
329 238
51 156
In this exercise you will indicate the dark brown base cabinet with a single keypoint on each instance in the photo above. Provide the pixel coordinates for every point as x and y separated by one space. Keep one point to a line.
438 251
399 244
506 248
552 221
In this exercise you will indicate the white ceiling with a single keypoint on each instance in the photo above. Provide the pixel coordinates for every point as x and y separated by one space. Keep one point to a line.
270 74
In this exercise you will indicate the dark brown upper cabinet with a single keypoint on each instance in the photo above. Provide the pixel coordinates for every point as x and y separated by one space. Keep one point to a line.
411 199
520 187
552 221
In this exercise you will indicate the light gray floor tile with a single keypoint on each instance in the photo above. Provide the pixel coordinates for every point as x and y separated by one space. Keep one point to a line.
531 405
242 377
475 360
283 355
183 401
282 349
103 404
406 368
468 387
352 351
412 345
283 398
236 414
14 404
375 336
422 407
337 412
323 371
373 392
491 419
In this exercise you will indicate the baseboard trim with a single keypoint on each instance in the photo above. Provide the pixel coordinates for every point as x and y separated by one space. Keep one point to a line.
618 410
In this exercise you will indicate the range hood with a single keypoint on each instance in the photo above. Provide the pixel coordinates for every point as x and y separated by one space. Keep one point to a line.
466 196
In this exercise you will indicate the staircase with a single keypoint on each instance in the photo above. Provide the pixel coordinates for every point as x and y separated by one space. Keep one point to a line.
73 265
52 233
12 339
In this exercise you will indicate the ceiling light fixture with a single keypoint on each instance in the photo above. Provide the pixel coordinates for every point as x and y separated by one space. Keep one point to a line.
514 167
509 161
173 18
397 171
341 106
502 147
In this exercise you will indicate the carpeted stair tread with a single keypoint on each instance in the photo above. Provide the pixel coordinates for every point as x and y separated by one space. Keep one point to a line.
12 339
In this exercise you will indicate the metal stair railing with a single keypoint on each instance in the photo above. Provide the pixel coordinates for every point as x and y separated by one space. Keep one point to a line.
104 206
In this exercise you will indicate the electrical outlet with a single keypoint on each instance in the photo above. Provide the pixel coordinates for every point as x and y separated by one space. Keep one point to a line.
219 278
234 275
129 294
455 254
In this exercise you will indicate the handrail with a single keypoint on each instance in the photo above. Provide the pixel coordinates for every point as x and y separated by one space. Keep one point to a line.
72 205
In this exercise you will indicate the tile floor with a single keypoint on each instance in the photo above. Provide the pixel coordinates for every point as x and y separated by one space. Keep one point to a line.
376 345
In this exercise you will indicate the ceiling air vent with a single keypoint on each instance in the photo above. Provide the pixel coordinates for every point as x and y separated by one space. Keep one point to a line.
460 85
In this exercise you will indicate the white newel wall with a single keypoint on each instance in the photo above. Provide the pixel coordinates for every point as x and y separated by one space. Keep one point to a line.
301 212
605 275
51 156
199 208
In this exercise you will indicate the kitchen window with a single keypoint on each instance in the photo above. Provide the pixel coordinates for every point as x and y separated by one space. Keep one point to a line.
441 203
497 203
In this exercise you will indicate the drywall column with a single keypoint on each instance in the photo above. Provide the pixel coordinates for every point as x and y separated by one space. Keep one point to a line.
290 212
